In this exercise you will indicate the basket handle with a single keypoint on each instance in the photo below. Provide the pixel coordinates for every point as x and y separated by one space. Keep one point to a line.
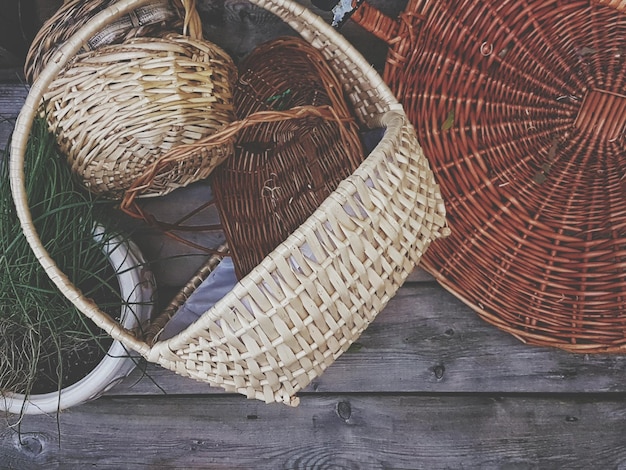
192 23
226 135
384 27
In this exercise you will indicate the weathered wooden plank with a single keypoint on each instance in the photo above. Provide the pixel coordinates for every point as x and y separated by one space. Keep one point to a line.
12 98
324 432
428 341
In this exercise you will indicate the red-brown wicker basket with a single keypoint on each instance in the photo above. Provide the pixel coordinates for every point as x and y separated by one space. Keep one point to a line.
520 107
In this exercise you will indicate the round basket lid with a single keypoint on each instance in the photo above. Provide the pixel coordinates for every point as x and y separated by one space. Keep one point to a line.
521 109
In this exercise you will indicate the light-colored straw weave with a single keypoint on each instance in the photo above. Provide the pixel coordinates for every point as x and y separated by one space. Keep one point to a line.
291 317
117 108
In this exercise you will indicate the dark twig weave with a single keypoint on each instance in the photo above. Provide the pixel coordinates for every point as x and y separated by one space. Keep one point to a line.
282 171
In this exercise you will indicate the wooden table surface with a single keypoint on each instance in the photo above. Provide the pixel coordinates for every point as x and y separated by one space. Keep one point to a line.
427 386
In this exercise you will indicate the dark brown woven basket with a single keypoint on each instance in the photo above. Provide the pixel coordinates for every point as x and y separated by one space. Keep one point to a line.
282 171
521 109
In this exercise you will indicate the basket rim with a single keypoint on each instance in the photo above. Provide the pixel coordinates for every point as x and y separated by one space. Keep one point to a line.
17 153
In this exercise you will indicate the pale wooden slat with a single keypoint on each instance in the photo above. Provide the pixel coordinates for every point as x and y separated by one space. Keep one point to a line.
12 96
428 341
339 432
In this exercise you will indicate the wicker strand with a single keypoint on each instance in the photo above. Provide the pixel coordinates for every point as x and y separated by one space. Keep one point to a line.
151 19
192 25
225 136
158 323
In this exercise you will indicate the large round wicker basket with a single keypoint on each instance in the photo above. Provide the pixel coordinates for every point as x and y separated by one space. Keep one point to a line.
520 108
290 318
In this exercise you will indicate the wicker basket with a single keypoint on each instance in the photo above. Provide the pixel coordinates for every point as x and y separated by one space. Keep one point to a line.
282 171
282 326
120 107
521 110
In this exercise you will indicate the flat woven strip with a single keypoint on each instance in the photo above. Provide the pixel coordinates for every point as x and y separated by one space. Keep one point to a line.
282 171
521 109
117 109
291 317
152 19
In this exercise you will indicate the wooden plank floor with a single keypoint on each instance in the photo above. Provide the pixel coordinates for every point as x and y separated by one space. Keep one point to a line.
427 386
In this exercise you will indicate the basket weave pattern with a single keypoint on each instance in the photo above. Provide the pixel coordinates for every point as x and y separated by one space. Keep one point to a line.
148 20
521 109
305 318
135 89
118 108
289 319
282 171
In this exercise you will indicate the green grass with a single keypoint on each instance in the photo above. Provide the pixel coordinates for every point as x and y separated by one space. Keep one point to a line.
39 327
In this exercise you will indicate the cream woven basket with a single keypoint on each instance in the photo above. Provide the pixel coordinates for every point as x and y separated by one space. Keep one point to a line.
133 94
290 318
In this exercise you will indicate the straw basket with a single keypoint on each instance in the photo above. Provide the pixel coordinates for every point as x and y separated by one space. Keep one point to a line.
286 321
520 108
116 109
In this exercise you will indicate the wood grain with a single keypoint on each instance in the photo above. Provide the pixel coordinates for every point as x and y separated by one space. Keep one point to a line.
428 341
326 432
12 98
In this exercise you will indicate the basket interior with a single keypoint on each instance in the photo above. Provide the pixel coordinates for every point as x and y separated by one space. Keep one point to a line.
282 171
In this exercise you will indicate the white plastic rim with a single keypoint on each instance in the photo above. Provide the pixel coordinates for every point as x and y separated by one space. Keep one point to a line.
137 288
